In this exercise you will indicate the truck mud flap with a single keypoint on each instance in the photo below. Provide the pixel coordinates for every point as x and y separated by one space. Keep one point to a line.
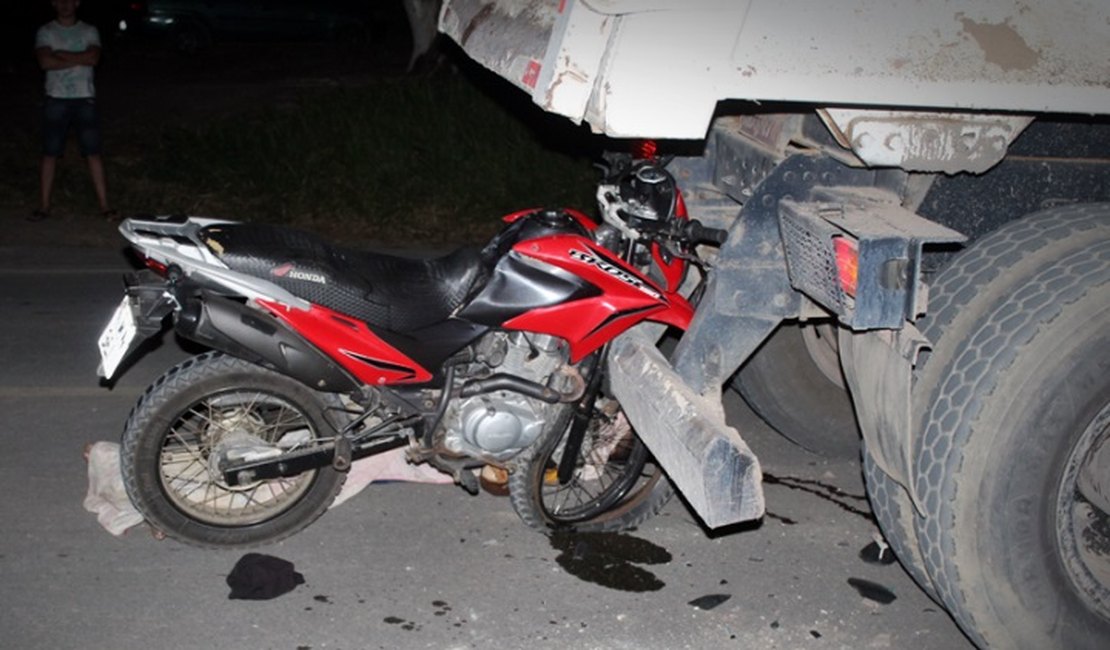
706 459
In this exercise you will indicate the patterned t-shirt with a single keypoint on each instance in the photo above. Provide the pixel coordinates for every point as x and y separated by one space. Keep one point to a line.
77 81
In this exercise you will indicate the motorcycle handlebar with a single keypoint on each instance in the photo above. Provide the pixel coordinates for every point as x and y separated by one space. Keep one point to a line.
695 233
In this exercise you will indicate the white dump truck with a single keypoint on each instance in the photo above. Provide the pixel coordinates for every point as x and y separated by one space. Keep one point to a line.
917 195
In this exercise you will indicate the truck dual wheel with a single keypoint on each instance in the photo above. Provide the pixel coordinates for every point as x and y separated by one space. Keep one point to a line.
1013 408
951 293
794 383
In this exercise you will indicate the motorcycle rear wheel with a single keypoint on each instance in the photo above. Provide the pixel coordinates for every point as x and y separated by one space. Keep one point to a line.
206 407
616 484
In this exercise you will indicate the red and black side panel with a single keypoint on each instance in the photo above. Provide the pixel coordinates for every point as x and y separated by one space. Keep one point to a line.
622 299
351 344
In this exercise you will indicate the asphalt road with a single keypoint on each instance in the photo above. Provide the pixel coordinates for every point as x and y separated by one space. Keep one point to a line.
401 565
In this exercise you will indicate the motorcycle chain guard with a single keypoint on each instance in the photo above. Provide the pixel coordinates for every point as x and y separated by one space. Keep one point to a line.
297 462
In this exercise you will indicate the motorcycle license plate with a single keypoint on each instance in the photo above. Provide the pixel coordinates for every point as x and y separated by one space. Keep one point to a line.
116 339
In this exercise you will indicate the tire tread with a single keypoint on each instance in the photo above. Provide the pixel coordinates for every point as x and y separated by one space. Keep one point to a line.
177 379
994 302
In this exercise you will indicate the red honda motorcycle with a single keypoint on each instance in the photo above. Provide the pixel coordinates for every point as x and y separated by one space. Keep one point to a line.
322 355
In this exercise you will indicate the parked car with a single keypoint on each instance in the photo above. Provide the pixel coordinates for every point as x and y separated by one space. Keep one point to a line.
191 25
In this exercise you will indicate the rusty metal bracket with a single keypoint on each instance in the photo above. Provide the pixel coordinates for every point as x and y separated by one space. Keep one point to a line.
888 240
925 141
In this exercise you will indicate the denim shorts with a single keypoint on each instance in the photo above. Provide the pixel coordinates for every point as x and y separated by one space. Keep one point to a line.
59 115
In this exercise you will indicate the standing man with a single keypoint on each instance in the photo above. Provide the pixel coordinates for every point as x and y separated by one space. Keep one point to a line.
67 49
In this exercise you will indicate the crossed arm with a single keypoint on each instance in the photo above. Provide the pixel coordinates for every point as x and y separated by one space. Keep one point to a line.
51 59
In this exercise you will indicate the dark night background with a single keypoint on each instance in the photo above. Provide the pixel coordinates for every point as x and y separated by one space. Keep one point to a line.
385 18
332 133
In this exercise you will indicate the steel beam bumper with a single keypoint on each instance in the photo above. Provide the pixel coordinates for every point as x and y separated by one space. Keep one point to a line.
706 459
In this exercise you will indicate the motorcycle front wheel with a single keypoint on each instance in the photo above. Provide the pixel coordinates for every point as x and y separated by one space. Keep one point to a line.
615 484
211 408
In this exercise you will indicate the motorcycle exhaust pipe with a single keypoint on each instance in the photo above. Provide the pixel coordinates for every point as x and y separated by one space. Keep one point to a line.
233 328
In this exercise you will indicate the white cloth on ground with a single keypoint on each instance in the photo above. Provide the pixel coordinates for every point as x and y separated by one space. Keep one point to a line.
107 498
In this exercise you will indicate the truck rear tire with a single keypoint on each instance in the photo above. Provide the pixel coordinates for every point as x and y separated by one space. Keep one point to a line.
794 383
1013 401
954 287
895 515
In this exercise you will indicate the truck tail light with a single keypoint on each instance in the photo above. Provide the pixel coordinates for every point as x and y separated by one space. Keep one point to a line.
847 263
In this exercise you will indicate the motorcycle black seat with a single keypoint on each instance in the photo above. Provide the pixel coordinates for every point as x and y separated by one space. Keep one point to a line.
386 291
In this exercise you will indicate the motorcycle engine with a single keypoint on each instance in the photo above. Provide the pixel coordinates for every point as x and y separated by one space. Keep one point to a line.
495 426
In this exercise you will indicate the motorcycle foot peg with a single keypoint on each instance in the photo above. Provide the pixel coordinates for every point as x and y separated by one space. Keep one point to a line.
341 461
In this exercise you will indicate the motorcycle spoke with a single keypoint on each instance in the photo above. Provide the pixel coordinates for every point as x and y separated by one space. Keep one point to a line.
579 491
207 418
205 485
610 464
189 448
183 454
249 496
192 479
218 425
279 424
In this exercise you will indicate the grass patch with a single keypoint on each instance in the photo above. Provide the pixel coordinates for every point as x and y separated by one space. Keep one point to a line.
430 160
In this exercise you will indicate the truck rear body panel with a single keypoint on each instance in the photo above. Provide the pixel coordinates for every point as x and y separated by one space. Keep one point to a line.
658 69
